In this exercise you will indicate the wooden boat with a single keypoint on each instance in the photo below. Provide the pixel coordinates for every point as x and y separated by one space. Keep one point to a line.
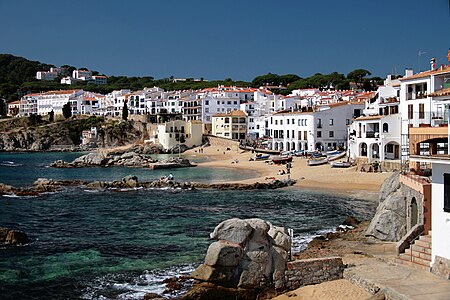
317 162
260 156
340 164
281 159
336 156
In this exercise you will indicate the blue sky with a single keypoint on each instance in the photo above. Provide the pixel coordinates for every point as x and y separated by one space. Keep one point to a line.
217 39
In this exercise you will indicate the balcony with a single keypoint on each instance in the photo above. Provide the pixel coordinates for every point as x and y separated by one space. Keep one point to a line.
429 119
372 134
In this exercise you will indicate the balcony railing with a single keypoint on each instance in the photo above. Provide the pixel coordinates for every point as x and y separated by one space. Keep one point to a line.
372 134
429 118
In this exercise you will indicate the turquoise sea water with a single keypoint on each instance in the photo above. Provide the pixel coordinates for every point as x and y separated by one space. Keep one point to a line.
119 245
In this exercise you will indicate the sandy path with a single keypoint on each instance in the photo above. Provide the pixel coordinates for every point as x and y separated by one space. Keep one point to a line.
337 290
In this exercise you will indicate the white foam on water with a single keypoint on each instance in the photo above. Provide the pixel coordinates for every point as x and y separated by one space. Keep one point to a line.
8 163
300 242
137 287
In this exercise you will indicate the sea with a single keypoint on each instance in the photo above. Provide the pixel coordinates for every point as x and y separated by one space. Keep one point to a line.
121 244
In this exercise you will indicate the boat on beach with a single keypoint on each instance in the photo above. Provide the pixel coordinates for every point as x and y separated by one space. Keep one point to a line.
260 156
335 156
281 159
317 161
340 164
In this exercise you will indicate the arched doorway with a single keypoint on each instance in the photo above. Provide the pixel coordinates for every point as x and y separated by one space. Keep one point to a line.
414 212
288 146
293 146
363 149
375 151
319 146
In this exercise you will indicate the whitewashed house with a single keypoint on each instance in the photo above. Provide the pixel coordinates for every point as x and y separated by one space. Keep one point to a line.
173 133
322 129
377 134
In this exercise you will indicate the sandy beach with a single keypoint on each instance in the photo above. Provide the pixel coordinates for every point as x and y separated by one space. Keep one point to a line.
323 178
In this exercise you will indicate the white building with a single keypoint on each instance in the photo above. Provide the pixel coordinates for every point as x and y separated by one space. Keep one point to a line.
377 134
81 74
99 79
70 80
43 75
231 125
55 100
173 133
323 129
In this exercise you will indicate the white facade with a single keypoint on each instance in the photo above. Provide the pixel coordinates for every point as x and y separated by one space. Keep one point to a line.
81 74
440 221
172 133
43 75
377 134
55 100
323 129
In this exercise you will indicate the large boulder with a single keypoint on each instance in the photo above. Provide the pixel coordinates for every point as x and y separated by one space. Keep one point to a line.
92 159
389 222
248 254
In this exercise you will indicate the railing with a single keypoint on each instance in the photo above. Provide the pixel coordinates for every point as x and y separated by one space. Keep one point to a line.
372 134
430 118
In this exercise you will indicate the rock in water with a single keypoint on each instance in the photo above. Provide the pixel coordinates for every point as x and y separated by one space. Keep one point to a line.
13 237
249 254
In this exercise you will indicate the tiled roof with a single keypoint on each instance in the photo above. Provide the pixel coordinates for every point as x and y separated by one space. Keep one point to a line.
234 113
441 70
368 118
441 93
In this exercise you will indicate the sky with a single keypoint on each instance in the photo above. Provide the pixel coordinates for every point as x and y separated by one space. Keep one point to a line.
218 39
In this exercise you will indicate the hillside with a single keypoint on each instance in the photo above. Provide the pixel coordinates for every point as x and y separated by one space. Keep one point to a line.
22 134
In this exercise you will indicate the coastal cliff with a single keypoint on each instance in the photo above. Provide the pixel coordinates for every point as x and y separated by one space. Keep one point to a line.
27 134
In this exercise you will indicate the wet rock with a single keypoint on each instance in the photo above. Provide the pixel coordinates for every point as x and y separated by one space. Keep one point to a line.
153 296
351 221
208 291
130 181
13 237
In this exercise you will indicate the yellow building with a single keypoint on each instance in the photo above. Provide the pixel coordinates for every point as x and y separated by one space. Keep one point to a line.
231 125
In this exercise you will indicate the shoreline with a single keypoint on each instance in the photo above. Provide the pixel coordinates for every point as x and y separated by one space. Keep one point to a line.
322 178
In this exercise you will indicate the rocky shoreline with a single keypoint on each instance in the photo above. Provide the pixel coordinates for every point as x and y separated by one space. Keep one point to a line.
43 185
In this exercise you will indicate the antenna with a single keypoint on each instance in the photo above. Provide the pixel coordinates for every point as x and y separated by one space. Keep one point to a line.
418 59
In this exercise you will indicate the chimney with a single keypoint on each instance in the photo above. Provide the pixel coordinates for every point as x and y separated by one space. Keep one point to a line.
433 64
408 72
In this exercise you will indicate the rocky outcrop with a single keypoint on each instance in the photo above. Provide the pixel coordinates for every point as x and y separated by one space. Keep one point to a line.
19 135
102 159
13 237
247 255
389 222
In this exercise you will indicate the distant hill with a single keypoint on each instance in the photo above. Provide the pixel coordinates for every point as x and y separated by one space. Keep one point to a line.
16 70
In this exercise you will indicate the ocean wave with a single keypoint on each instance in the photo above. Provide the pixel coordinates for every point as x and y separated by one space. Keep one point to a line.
8 163
300 242
16 196
120 286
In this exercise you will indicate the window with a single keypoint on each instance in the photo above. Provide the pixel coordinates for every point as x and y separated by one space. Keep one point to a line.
347 121
206 102
331 134
319 134
389 148
276 122
447 192
293 121
331 122
235 102
287 133
410 111
229 102
385 127
305 135
218 102
421 111
288 121
299 122
281 122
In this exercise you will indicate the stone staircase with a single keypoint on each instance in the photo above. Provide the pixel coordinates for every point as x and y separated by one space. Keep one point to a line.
418 255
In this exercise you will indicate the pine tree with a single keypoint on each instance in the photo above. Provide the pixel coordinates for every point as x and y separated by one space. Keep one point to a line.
125 111
66 110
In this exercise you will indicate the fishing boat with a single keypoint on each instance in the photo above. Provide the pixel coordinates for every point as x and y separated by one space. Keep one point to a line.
340 164
317 161
281 159
335 156
260 156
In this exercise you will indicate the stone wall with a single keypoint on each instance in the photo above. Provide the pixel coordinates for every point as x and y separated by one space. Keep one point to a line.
223 143
441 267
313 271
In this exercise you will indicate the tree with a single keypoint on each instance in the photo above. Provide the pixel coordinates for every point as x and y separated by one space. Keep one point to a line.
66 110
51 116
358 75
125 111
